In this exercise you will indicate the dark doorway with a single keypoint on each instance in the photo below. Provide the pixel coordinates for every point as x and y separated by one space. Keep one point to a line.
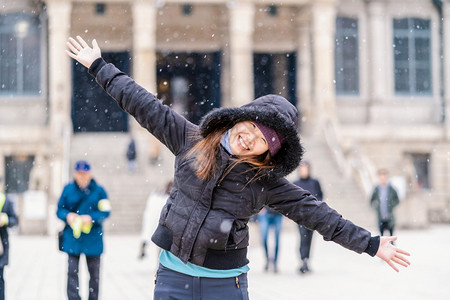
17 173
92 109
274 73
421 163
189 82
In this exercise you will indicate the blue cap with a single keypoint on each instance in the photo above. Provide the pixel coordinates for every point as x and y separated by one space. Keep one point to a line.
82 166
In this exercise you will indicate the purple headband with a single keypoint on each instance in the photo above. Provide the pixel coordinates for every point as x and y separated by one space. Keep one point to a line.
273 138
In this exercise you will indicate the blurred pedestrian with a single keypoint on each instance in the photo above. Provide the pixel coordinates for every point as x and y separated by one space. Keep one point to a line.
312 185
227 169
384 199
83 206
270 218
155 155
8 218
131 155
150 218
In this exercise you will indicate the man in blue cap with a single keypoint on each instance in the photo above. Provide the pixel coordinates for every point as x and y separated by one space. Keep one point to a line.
8 218
83 206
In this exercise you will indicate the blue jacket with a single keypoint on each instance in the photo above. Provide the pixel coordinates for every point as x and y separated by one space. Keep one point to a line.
13 220
83 202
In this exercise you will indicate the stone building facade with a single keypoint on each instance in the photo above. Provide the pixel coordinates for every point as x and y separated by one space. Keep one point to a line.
371 76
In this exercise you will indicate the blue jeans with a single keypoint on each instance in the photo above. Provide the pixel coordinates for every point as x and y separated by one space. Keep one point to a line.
172 285
267 220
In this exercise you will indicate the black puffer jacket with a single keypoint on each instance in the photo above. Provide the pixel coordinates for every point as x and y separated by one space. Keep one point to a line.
205 222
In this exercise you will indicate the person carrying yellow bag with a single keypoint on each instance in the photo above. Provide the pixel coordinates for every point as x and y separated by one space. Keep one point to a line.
83 206
8 218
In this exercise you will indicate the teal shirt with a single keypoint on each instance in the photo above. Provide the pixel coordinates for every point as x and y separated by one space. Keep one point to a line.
172 262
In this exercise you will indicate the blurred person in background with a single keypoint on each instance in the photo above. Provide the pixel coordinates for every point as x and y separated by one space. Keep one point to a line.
312 185
83 206
226 170
384 199
131 155
270 218
155 203
8 218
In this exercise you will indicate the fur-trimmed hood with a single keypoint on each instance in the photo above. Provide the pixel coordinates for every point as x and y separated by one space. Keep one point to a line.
271 110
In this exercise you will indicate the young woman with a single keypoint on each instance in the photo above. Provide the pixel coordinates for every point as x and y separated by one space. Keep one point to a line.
226 170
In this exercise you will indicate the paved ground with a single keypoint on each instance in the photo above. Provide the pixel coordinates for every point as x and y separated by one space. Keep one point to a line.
37 270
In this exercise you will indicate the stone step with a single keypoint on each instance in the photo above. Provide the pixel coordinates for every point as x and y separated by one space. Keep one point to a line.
340 192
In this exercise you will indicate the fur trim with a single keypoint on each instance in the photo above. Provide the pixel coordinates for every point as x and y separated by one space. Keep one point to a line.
271 110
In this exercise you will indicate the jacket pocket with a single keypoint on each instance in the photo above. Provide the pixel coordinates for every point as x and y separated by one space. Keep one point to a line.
238 237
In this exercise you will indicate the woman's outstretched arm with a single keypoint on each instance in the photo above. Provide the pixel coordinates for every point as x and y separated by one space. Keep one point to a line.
165 124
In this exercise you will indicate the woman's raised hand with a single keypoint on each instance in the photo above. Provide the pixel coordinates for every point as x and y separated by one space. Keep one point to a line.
391 254
81 52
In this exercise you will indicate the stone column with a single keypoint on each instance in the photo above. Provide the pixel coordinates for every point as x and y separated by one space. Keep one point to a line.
446 45
304 79
241 52
378 78
323 13
60 84
144 44
144 69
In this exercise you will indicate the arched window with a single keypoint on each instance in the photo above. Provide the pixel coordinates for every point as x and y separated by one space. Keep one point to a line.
20 55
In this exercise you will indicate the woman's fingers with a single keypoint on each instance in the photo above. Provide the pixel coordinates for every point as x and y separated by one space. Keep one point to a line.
72 48
71 54
95 44
82 42
392 266
403 252
400 262
75 44
392 238
402 258
81 52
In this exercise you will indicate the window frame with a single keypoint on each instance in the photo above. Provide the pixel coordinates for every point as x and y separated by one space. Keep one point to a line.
412 36
339 55
39 23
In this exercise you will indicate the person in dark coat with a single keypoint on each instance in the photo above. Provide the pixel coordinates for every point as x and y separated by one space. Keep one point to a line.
131 155
8 218
226 170
384 199
312 185
83 206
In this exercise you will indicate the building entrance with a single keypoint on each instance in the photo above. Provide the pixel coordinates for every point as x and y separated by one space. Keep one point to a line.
92 109
189 82
274 73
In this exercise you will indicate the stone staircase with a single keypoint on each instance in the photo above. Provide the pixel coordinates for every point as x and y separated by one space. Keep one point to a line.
341 192
127 191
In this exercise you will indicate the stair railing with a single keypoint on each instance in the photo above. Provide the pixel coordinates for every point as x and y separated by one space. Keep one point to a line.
353 163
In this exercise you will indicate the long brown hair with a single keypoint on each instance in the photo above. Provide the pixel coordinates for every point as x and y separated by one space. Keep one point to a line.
205 153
